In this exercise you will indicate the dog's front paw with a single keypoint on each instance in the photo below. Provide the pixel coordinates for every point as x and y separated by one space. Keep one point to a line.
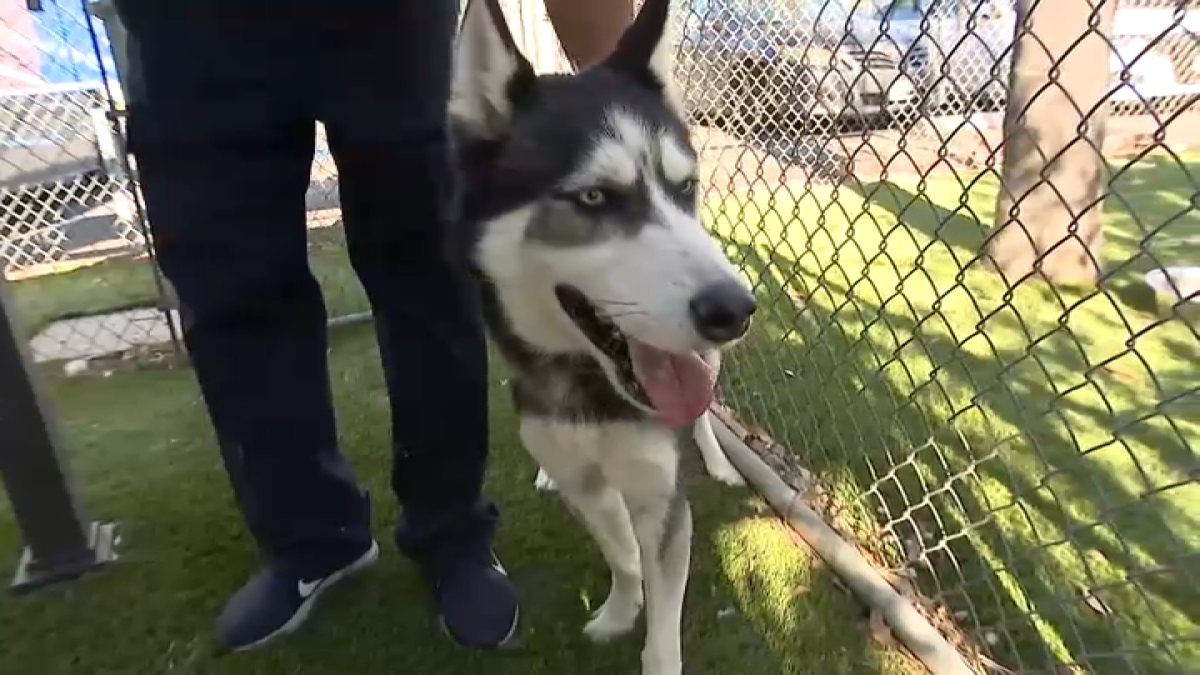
716 462
726 473
614 619
544 482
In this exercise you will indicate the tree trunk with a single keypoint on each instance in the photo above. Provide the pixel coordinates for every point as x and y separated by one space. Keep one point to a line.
1049 210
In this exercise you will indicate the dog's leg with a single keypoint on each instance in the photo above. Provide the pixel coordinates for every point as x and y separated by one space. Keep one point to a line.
599 506
565 455
663 524
662 521
716 462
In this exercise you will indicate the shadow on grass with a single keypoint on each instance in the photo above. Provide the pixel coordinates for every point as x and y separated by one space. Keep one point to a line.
959 227
1053 522
143 452
1151 218
108 286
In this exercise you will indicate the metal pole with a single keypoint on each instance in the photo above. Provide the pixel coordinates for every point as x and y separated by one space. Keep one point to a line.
128 72
59 541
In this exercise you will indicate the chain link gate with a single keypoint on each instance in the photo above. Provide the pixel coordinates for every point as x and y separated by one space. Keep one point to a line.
72 235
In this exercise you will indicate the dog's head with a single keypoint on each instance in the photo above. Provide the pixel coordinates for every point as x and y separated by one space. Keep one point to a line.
583 190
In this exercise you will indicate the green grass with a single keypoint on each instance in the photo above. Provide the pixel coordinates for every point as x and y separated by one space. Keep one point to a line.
890 361
104 286
124 283
142 452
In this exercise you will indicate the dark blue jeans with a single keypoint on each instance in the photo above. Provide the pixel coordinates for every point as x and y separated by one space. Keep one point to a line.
221 125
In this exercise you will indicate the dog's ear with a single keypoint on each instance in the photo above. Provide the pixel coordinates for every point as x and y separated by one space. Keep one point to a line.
491 76
646 50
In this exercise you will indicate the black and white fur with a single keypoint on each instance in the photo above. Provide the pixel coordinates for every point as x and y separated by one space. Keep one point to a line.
580 196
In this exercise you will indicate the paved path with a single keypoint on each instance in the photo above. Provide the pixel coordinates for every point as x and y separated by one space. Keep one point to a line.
91 336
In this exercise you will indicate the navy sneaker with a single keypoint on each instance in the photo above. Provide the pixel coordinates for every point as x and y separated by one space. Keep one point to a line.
476 601
275 602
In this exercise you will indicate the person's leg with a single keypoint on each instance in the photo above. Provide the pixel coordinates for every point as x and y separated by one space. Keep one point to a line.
383 100
589 29
223 149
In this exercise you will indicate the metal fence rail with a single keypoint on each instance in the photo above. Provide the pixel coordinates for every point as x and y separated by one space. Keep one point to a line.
961 334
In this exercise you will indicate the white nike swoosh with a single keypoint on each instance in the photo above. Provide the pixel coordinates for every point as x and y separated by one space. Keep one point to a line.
306 588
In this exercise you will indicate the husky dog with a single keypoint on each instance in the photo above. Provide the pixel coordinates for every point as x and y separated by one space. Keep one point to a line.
603 292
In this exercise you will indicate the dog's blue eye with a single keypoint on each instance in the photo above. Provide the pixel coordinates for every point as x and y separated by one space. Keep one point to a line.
591 198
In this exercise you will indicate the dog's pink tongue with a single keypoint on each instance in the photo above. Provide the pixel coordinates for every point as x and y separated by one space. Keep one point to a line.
679 387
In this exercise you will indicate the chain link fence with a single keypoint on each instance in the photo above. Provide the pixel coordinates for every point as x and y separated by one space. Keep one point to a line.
54 177
72 239
973 228
978 330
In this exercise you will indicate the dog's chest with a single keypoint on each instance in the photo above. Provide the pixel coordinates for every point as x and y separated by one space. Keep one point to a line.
569 388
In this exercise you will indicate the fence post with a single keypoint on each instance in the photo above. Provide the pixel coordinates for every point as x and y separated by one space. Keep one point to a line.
60 543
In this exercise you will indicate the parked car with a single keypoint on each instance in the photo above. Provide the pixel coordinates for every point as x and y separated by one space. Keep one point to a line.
959 52
793 61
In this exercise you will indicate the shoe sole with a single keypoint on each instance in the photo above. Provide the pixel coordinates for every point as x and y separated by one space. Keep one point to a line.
504 642
364 561
512 629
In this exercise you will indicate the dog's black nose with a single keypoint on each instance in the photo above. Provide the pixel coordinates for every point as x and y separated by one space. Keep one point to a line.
722 311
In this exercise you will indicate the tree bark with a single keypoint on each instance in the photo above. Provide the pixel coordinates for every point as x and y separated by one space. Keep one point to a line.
1049 210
